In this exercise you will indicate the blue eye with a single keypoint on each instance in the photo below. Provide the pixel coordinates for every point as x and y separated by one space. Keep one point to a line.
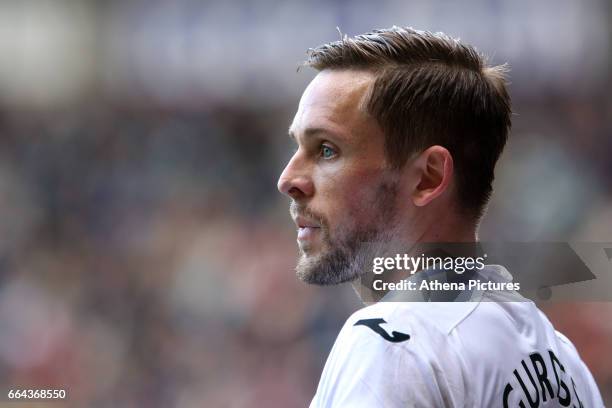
327 152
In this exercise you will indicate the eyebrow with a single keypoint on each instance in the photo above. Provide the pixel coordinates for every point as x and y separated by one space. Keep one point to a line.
309 132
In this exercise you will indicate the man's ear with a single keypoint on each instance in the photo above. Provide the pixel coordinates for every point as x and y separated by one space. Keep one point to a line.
434 173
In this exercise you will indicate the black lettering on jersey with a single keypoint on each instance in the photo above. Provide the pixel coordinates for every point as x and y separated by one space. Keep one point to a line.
566 399
535 402
540 371
374 324
538 367
507 392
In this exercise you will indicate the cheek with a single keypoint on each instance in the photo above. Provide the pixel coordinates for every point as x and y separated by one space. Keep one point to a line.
364 206
352 200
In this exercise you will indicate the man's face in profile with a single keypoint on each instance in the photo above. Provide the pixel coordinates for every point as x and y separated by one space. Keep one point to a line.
343 193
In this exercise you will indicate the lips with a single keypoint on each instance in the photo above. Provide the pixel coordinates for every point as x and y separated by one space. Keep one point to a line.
306 233
303 222
306 228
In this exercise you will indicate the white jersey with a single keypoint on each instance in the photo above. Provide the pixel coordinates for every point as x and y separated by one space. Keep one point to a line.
454 354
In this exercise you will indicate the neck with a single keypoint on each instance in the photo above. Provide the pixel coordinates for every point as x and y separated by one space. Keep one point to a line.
447 229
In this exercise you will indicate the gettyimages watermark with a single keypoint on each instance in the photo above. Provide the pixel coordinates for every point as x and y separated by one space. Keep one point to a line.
413 264
494 271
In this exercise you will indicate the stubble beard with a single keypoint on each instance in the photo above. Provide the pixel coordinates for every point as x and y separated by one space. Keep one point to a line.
348 255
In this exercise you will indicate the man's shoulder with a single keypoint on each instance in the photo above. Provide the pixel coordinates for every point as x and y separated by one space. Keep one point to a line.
454 326
400 331
463 333
448 349
399 354
429 317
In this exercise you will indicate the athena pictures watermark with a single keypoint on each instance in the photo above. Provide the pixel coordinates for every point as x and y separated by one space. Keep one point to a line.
433 285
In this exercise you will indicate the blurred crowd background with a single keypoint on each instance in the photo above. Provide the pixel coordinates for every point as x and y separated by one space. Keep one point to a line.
146 258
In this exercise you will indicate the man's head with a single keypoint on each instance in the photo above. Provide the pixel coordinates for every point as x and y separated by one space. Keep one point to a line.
398 136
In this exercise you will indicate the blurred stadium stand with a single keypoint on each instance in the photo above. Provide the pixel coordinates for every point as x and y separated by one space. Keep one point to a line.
146 258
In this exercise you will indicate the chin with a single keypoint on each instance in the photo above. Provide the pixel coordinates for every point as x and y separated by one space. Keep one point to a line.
325 268
312 246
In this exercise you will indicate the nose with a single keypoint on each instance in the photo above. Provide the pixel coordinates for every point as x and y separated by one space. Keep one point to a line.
295 180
